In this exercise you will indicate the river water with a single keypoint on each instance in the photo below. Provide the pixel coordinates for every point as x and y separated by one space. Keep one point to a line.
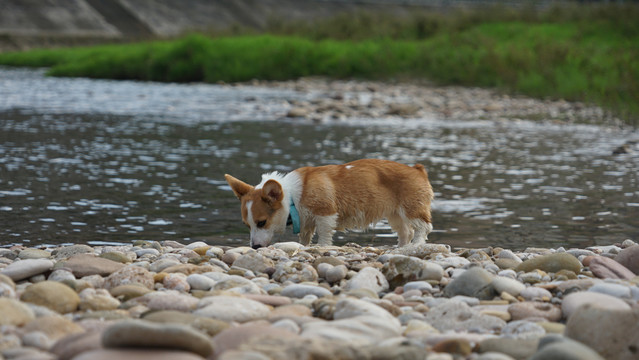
96 161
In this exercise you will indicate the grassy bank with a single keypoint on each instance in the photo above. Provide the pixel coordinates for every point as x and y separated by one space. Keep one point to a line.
583 55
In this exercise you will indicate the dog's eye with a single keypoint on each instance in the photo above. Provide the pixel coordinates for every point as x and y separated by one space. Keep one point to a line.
260 224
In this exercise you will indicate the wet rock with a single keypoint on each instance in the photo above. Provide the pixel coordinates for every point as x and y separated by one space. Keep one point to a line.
367 278
606 268
143 334
227 308
551 263
534 310
130 274
475 282
612 332
574 301
23 269
403 110
13 312
53 295
456 316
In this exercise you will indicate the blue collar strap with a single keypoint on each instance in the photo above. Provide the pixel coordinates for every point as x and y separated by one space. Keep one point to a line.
294 218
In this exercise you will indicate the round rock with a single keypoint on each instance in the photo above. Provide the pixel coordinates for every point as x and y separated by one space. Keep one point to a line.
144 334
23 269
53 295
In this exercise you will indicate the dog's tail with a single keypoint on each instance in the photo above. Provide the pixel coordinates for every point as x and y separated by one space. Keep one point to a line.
421 168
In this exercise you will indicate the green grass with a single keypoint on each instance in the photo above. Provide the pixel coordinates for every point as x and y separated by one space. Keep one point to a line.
587 54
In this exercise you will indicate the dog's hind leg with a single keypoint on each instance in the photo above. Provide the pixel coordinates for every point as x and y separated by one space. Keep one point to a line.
402 227
422 229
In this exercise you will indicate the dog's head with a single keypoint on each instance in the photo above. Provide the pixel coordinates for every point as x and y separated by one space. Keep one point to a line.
262 209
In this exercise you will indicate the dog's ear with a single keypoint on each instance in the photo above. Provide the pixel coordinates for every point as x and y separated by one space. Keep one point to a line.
272 191
239 187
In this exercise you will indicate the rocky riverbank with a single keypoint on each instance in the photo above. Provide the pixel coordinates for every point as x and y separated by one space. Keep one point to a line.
167 300
331 100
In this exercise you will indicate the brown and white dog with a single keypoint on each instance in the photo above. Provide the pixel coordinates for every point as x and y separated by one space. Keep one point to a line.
338 197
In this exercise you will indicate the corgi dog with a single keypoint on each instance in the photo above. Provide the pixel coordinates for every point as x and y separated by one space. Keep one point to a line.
327 198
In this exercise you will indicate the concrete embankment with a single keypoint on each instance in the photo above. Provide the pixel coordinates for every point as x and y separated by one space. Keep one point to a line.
26 24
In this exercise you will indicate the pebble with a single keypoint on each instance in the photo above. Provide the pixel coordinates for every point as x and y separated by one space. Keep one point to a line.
144 334
23 269
291 301
302 290
560 347
474 282
366 278
505 284
53 295
611 332
231 308
551 263
574 301
606 268
629 258
535 310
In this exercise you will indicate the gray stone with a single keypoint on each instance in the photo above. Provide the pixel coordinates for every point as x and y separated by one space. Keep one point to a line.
573 301
629 257
144 334
475 282
358 330
557 347
23 269
612 332
200 282
301 290
616 290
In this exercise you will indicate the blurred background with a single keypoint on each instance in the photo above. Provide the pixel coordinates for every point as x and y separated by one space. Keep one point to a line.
523 112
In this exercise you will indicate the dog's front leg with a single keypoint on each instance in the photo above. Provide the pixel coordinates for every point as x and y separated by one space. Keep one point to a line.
325 229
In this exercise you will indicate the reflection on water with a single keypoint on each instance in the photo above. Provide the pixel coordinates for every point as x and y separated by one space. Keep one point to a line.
103 161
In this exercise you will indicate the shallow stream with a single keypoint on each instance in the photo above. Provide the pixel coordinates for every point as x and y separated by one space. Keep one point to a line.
95 161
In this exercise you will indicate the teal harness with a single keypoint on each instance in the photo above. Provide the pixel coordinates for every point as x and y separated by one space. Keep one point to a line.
294 218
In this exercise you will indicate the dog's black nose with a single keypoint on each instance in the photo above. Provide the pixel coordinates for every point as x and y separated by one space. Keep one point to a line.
256 246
